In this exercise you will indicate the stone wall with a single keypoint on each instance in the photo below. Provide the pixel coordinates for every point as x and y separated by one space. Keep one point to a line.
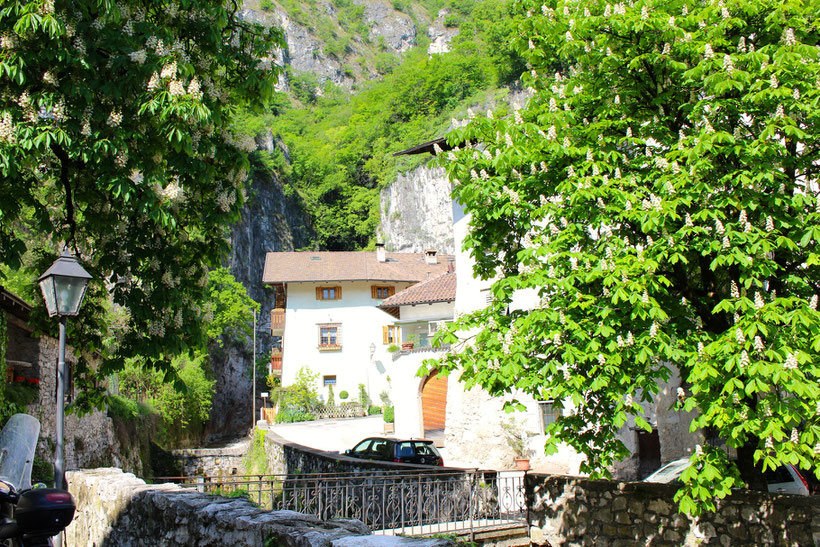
116 508
574 511
226 460
91 440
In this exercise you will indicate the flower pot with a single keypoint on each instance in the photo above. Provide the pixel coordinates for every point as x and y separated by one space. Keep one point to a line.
407 346
389 427
522 464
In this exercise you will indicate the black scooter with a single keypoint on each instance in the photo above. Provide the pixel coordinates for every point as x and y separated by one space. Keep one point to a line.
29 517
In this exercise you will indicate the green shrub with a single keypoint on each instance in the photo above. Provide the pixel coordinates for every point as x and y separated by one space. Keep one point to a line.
343 395
389 414
266 5
21 394
373 409
42 471
256 461
290 415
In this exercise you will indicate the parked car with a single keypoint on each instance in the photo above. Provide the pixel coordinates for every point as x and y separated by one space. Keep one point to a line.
786 479
419 451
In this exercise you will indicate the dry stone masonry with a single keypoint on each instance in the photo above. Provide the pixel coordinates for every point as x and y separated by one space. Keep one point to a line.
116 508
574 511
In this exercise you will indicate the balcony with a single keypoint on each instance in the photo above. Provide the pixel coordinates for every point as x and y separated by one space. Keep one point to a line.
276 364
277 321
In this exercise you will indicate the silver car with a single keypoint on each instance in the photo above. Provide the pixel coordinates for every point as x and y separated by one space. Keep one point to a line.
786 479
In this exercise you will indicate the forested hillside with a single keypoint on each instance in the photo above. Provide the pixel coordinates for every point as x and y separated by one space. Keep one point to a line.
336 140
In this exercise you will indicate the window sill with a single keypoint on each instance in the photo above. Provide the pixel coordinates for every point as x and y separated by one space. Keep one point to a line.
330 348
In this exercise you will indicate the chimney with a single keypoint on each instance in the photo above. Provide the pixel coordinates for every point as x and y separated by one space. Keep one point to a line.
381 256
430 256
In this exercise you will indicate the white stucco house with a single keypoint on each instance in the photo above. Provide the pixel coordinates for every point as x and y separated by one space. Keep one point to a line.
328 317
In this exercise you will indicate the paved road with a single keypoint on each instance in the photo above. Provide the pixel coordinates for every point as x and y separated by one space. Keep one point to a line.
332 434
339 434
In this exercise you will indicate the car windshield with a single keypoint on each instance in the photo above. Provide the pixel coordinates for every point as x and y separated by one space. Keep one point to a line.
669 472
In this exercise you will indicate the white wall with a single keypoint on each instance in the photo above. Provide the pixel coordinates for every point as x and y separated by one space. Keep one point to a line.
361 325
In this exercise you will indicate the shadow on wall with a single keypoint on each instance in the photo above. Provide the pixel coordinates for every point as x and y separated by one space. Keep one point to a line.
572 510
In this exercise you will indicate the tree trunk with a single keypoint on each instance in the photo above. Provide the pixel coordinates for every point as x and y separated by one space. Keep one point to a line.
750 473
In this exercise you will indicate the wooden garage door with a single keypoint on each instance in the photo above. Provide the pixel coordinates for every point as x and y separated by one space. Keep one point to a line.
434 402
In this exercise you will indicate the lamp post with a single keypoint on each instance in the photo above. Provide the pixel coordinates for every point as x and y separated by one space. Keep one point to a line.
372 353
253 366
63 285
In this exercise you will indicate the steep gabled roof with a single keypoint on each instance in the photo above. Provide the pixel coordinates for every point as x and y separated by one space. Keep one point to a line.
322 266
438 289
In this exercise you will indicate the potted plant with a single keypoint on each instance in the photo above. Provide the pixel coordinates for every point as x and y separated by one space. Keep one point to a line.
517 441
389 419
410 342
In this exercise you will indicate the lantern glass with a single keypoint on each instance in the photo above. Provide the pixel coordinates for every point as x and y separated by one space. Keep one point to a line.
64 285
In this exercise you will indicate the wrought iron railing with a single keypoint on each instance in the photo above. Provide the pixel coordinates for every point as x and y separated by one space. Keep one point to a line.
408 503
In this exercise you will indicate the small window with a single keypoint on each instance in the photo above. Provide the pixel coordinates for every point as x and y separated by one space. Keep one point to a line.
328 293
330 336
390 334
434 326
549 413
329 380
380 292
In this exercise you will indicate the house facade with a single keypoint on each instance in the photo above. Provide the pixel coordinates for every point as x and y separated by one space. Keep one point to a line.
420 402
327 316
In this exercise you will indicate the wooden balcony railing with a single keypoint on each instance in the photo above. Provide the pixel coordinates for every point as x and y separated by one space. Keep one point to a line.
276 364
277 319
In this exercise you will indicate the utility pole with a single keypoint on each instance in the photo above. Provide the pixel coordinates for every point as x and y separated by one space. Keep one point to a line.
253 366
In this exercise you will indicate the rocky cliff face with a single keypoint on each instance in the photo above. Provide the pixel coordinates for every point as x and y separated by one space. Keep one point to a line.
417 212
270 222
388 29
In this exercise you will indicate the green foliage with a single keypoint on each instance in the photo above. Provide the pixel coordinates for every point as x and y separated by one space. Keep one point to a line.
42 471
267 5
658 194
331 400
299 398
372 410
117 141
364 398
289 415
343 395
341 146
126 409
389 414
256 461
231 309
183 406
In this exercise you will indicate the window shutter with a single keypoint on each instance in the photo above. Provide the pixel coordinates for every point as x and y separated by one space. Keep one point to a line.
391 291
318 293
339 335
385 335
398 335
373 289
338 293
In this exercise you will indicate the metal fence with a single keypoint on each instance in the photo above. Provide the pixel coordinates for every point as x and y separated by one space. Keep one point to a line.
408 503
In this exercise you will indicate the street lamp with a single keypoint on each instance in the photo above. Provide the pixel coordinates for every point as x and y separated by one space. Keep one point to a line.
63 285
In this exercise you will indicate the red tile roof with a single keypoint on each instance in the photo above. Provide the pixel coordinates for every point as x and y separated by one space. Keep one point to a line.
289 267
438 289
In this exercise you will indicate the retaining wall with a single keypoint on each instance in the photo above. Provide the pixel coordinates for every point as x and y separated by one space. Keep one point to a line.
118 509
575 511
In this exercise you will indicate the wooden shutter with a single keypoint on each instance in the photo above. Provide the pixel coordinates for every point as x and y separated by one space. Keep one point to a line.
373 290
391 291
338 293
385 335
318 293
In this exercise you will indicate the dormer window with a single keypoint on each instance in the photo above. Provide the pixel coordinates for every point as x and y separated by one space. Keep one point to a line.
328 293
